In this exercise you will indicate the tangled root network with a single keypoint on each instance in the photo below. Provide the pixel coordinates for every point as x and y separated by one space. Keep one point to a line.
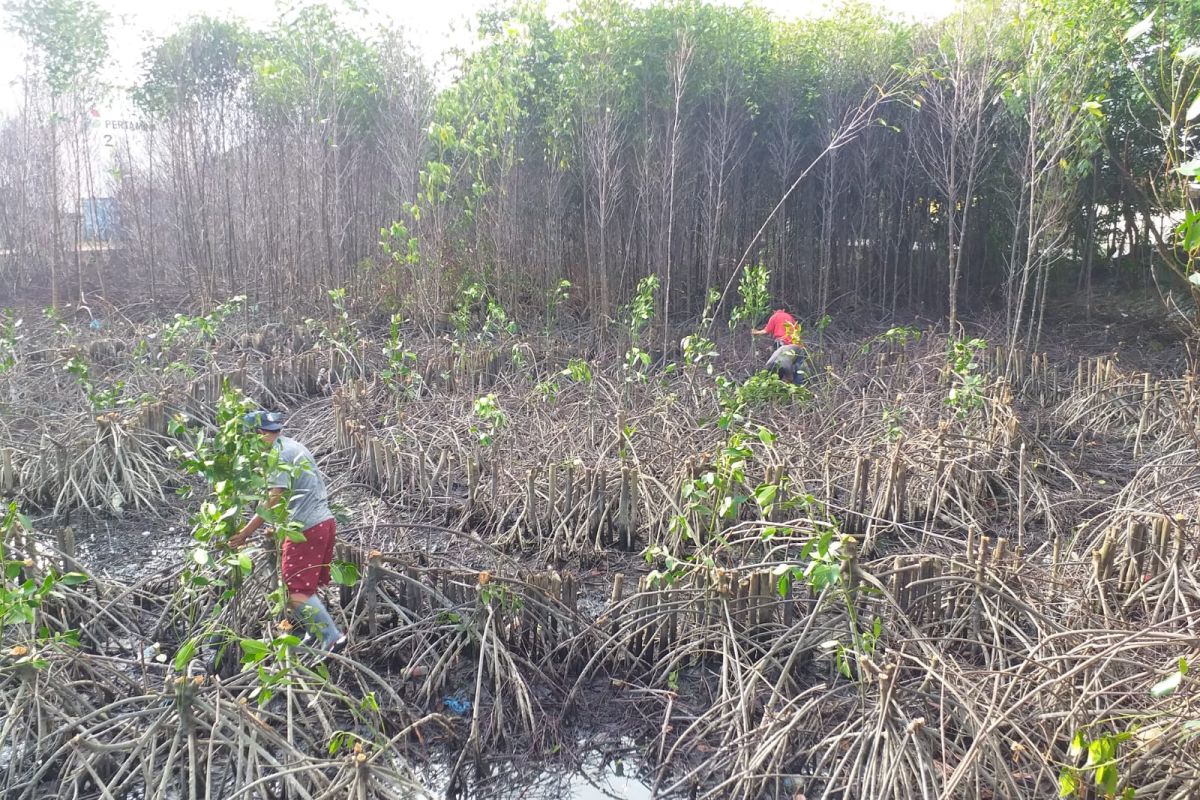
890 583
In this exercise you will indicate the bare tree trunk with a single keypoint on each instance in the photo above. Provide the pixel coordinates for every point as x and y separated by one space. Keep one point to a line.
1089 241
55 212
678 70
961 116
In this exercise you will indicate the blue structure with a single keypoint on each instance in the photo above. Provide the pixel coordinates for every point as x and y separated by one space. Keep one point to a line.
99 219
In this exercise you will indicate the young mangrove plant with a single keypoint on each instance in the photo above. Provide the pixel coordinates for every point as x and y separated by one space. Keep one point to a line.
489 419
1099 768
699 351
401 373
23 628
340 329
100 399
824 567
896 336
10 340
718 496
403 251
555 300
893 421
577 371
236 466
822 325
637 315
761 389
476 302
967 385
204 327
752 289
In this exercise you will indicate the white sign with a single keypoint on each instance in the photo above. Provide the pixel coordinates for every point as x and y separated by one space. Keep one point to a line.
117 145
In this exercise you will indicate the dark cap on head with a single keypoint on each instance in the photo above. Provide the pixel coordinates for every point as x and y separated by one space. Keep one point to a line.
270 421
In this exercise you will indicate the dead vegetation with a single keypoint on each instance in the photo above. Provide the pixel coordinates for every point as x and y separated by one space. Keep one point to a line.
1018 576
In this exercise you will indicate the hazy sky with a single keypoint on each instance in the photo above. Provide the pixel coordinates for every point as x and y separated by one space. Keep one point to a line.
434 24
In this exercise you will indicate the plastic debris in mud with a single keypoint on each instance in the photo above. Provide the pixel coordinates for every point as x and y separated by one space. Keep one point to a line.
457 705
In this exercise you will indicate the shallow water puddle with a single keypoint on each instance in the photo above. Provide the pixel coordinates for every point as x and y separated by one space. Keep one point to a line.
599 776
597 781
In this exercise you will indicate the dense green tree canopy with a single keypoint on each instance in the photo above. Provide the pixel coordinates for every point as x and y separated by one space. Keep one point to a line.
1005 154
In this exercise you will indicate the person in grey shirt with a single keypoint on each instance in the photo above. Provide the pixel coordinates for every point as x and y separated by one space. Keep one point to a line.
305 563
785 362
308 503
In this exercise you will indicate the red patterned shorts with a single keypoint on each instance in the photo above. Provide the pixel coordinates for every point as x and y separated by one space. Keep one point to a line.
306 564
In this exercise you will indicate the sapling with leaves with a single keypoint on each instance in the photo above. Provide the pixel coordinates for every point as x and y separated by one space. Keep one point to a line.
699 351
822 325
763 388
475 301
23 627
401 372
555 300
1100 767
195 334
548 391
752 289
577 371
893 421
404 253
898 336
894 338
490 419
715 500
235 468
967 383
637 316
717 497
341 329
724 489
497 320
54 318
99 398
464 308
825 568
1102 745
202 328
430 214
10 340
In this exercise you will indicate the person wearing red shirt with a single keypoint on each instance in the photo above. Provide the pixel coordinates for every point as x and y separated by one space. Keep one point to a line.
780 326
783 329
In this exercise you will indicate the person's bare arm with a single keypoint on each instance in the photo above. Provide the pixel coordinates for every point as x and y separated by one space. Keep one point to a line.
239 539
758 331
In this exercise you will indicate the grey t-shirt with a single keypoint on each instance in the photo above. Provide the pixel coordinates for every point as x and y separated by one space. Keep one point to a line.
308 504
785 357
